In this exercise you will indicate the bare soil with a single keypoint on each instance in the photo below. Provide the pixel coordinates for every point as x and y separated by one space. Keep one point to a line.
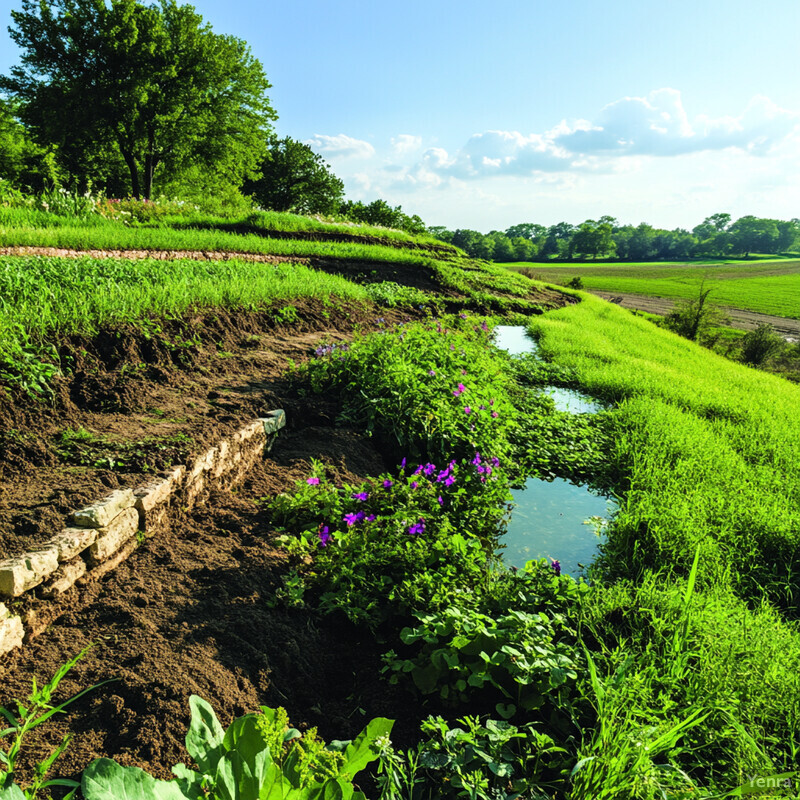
189 611
744 320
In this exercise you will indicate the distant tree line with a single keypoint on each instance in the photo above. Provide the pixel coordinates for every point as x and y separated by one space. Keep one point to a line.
716 236
137 100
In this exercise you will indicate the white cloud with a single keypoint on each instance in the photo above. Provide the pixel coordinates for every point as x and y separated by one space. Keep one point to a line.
652 126
639 158
658 125
341 146
405 143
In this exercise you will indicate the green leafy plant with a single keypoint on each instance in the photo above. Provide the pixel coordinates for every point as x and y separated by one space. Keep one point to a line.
259 757
30 714
491 760
462 653
398 543
433 390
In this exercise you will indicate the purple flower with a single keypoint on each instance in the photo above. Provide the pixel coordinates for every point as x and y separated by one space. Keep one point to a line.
387 484
440 500
403 464
449 480
477 460
414 484
324 536
353 518
417 527
429 469
495 415
362 496
484 326
312 481
442 475
460 390
491 402
467 410
369 518
462 315
432 372
495 461
555 566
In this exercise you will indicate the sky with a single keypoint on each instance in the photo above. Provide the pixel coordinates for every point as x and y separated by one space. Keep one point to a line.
478 115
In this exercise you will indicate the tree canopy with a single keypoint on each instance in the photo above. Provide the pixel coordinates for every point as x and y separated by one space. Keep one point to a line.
294 178
715 236
151 86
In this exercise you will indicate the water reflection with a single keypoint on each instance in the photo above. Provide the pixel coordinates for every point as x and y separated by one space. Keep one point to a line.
549 521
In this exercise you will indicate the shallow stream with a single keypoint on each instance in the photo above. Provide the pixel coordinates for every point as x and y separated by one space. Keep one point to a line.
554 519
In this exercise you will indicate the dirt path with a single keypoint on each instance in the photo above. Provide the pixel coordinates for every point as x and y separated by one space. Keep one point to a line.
161 255
189 613
745 320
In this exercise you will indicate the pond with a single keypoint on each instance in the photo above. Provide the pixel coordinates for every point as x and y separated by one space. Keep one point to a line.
551 519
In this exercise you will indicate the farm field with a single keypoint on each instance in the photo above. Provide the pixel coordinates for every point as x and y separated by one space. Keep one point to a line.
764 286
355 572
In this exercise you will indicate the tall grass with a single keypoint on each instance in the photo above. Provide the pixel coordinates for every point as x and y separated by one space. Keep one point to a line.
711 451
44 298
184 217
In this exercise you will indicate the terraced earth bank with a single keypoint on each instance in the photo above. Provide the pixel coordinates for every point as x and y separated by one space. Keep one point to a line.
189 612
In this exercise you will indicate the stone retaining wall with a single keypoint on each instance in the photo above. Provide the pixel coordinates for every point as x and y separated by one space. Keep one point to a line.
104 534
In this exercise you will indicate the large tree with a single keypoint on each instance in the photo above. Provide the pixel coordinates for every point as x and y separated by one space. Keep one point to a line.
294 178
150 84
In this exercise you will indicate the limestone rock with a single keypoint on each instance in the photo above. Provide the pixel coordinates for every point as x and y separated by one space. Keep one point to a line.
99 515
111 537
72 541
159 491
11 631
20 573
64 578
274 421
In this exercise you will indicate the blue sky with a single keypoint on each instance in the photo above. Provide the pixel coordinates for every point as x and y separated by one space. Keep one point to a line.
483 116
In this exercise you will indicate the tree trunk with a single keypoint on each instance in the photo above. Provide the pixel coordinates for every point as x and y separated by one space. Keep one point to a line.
133 168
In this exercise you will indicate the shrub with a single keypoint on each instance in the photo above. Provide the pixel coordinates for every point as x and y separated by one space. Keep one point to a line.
759 344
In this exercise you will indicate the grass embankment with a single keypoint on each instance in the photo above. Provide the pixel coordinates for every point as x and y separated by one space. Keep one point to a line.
113 215
44 298
710 447
764 286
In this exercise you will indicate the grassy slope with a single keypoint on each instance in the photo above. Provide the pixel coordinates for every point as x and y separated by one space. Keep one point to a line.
43 298
260 221
768 286
712 449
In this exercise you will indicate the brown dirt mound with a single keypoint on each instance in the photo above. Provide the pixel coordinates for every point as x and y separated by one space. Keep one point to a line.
193 381
189 613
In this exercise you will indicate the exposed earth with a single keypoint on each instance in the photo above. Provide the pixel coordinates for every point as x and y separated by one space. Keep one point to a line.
745 320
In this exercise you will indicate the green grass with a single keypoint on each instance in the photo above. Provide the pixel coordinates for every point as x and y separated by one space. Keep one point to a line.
42 299
767 286
711 450
183 216
120 237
